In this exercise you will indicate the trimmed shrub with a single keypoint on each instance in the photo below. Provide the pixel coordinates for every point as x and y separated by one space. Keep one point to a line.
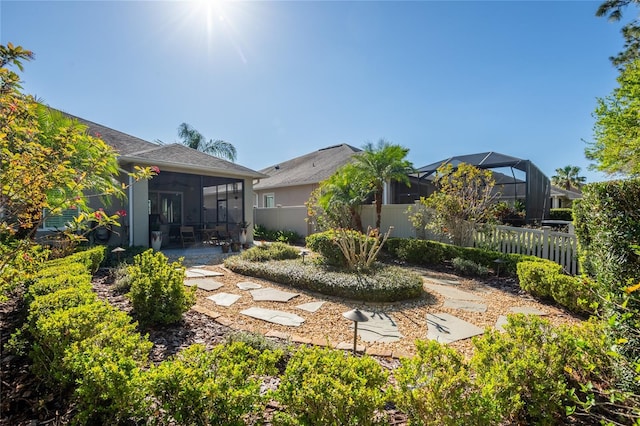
273 251
561 214
469 267
158 292
113 260
534 276
381 284
91 258
220 387
260 232
435 387
70 268
48 285
545 279
324 244
608 228
65 298
321 386
55 333
427 253
109 387
536 373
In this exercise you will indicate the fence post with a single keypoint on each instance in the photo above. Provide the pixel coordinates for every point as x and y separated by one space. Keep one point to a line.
545 242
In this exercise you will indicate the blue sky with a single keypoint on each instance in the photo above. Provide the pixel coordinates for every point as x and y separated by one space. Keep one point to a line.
281 79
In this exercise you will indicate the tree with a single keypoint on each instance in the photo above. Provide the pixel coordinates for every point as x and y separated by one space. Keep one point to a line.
340 198
616 145
568 177
382 163
464 199
612 9
48 163
194 139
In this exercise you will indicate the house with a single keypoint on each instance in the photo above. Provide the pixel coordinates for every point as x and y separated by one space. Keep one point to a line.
290 183
192 189
562 198
518 180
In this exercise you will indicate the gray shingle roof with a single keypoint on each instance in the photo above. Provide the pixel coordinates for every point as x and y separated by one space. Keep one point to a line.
307 169
133 149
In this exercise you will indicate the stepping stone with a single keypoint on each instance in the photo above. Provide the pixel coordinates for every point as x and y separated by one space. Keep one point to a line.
527 310
446 328
442 281
248 285
452 293
204 272
272 295
207 284
502 320
465 305
380 328
310 307
348 346
276 317
224 299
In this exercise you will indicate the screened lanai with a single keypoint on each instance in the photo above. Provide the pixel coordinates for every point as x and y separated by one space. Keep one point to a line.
516 179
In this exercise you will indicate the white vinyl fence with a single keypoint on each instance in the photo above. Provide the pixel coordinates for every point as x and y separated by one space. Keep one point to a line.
293 219
559 247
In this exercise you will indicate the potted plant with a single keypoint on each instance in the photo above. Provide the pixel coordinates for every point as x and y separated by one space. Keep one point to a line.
243 233
225 246
156 236
235 246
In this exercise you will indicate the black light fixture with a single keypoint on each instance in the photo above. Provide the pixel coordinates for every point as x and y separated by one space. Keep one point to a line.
356 316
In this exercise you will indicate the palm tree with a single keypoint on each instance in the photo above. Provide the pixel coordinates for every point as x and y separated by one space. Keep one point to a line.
381 163
568 177
194 139
341 196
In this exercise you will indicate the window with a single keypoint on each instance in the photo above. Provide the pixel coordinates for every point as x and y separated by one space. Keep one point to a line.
269 200
58 222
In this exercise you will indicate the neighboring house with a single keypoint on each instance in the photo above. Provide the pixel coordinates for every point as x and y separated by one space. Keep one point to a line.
562 198
192 189
290 183
516 179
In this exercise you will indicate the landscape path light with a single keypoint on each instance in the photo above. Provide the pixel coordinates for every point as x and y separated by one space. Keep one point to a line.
117 251
499 262
356 316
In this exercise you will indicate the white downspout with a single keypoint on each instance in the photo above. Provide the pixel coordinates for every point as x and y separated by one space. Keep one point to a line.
130 199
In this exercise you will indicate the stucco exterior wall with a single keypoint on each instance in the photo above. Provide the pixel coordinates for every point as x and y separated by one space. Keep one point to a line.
287 196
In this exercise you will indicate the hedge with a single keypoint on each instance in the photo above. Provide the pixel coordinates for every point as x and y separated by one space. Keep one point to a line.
561 214
383 284
428 253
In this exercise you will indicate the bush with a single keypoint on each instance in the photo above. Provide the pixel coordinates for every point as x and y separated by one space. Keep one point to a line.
113 260
435 387
157 290
273 251
382 284
427 253
55 333
533 276
107 367
52 271
324 244
48 285
561 214
326 387
469 267
535 372
90 258
220 387
545 279
260 232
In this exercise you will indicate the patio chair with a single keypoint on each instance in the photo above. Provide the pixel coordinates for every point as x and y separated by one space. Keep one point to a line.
187 235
